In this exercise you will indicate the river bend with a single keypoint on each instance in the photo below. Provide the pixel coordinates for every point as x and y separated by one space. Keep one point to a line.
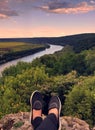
30 58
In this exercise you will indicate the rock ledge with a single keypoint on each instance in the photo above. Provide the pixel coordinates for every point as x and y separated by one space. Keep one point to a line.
20 121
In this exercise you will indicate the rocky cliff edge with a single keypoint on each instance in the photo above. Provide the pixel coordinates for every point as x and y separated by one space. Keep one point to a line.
20 121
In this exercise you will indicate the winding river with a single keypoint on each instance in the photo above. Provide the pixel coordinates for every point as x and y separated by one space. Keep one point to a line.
51 50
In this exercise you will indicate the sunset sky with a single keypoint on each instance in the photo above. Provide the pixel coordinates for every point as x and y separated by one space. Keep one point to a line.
43 18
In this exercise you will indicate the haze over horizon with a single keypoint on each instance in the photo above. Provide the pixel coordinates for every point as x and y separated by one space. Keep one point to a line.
46 18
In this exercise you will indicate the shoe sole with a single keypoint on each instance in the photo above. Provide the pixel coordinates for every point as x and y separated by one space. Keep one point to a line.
30 118
59 113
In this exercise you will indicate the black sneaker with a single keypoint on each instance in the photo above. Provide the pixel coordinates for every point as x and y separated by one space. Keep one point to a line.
56 103
36 102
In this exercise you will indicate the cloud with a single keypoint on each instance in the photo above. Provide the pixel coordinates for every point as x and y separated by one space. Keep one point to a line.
67 8
92 2
23 1
2 16
5 10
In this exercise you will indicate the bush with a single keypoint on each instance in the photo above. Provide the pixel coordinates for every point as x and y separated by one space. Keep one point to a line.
81 101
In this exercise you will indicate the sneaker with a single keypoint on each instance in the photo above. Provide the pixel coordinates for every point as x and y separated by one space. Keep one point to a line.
56 103
36 102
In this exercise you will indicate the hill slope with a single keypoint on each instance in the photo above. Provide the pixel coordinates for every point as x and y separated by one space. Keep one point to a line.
79 42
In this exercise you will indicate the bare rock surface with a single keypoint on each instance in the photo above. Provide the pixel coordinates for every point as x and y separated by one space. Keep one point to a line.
20 121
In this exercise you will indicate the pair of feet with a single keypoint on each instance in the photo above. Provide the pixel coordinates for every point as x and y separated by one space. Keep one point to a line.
36 102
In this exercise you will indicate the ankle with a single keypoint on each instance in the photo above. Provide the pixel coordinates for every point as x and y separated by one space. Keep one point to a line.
54 111
36 113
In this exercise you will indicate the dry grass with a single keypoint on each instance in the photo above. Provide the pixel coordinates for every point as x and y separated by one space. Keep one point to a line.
11 44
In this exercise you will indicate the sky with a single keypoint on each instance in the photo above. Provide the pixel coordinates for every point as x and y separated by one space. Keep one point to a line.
46 18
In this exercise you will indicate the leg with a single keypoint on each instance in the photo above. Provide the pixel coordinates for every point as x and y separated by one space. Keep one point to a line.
36 102
49 123
36 122
52 122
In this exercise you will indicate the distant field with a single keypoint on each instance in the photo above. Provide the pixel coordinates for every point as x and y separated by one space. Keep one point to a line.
14 50
6 47
11 44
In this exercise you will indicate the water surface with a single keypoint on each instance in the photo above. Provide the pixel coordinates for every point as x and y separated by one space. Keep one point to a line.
30 58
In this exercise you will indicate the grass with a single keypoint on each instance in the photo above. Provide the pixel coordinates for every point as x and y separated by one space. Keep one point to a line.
14 50
11 44
7 47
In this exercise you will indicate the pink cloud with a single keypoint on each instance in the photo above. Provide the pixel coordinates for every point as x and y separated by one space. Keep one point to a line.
2 16
82 7
5 10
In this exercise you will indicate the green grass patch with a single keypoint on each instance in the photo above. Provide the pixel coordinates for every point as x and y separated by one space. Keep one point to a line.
18 124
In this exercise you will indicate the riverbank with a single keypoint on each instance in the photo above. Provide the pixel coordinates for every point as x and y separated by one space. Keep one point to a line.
52 49
10 51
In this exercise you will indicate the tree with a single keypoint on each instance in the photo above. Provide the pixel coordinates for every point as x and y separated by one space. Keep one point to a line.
80 101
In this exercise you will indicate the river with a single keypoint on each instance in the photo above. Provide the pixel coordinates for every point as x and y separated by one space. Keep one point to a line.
30 58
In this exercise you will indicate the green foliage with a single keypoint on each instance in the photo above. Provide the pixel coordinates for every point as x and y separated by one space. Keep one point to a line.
16 90
90 60
66 61
80 102
18 69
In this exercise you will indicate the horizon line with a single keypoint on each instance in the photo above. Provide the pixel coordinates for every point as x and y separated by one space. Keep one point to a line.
46 36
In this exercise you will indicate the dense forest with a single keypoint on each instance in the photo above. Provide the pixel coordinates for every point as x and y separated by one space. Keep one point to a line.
69 73
79 42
